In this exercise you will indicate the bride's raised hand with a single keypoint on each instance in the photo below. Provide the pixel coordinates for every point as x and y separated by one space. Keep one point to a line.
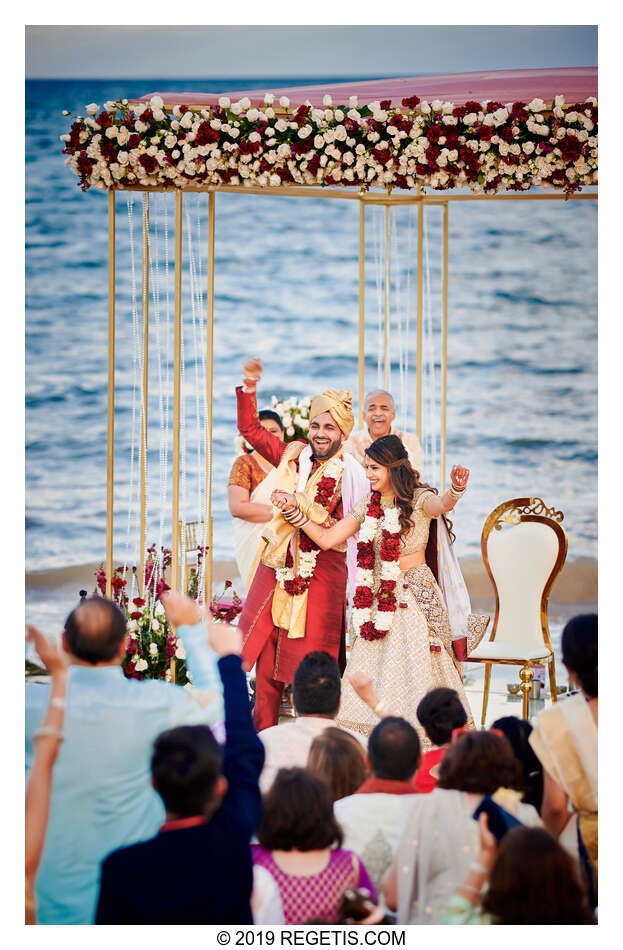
459 477
252 371
282 500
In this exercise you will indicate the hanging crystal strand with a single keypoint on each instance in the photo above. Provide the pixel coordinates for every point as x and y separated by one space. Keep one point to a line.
408 307
378 260
135 376
399 297
156 284
201 391
196 300
168 373
430 390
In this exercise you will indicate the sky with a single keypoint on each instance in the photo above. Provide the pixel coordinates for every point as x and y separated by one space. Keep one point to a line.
100 52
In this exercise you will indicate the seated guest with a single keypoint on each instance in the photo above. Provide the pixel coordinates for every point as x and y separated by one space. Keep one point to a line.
424 875
101 795
374 818
565 740
439 713
300 845
338 759
197 869
251 482
379 413
316 696
517 731
528 878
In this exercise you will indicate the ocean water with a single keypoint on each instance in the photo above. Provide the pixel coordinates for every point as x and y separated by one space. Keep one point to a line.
522 350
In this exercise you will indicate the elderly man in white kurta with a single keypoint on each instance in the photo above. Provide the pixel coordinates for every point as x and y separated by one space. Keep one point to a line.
379 414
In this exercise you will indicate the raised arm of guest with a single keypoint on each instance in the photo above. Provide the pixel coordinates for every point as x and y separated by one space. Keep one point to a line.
49 738
268 445
435 505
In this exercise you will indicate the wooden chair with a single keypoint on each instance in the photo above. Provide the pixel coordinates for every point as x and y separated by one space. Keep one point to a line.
524 548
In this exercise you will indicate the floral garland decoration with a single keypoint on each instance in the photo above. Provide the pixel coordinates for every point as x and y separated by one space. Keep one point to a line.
296 584
369 623
485 146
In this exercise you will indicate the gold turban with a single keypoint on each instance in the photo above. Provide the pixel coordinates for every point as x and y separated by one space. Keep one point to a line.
339 405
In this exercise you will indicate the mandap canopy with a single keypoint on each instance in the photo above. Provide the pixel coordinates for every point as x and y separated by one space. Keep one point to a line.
425 140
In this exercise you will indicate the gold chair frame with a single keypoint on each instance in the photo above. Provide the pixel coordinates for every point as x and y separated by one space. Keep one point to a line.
514 512
187 534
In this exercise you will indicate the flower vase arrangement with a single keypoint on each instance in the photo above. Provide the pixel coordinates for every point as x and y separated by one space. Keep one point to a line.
226 606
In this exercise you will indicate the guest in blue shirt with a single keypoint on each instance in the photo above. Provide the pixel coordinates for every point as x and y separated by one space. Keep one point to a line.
198 868
102 796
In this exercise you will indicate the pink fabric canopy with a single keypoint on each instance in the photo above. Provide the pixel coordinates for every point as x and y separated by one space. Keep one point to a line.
576 83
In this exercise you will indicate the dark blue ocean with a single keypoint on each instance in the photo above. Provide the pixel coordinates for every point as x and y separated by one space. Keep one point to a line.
522 352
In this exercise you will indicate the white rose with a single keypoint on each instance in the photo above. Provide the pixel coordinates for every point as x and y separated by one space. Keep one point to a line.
284 101
170 141
449 120
236 108
318 141
436 105
123 158
156 102
340 133
327 101
132 626
111 132
245 102
354 115
537 105
281 125
269 98
290 430
180 653
187 120
253 115
153 649
305 131
92 108
224 102
141 665
339 115
255 137
158 115
500 116
274 180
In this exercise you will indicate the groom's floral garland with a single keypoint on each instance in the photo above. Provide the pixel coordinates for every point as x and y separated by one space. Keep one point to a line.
295 584
370 625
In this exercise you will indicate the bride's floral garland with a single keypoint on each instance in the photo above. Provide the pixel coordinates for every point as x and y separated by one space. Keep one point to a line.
295 584
369 623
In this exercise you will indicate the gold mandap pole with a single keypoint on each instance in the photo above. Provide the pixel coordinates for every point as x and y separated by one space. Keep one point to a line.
418 381
362 307
388 270
177 364
444 351
207 536
110 436
145 393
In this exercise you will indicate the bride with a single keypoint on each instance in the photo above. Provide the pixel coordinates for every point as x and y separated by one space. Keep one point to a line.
401 633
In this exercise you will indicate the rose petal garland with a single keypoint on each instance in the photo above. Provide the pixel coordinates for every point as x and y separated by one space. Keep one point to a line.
486 146
368 622
295 584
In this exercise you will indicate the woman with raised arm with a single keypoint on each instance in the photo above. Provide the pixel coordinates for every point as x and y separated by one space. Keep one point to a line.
401 634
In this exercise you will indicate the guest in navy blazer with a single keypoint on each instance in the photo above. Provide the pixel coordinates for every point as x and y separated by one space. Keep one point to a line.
198 868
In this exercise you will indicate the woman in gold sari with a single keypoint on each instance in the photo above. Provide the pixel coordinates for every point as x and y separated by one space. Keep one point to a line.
565 740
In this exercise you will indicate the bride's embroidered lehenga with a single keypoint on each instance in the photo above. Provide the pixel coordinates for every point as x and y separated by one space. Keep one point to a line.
416 654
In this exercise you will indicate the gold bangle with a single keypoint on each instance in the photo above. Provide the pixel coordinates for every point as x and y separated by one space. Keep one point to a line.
49 731
380 706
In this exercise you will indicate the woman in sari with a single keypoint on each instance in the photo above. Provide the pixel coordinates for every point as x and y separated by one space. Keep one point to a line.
251 481
401 634
565 741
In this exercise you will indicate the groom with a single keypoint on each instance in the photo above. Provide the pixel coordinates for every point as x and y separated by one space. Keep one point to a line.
297 599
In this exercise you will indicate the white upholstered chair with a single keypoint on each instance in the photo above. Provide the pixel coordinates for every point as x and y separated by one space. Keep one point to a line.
523 547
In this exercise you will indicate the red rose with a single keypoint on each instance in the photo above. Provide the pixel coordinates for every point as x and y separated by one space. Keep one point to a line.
570 148
363 597
104 119
206 135
410 102
136 615
472 106
139 602
149 163
134 141
386 103
485 132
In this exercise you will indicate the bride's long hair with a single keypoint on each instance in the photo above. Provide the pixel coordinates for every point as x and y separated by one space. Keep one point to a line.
390 452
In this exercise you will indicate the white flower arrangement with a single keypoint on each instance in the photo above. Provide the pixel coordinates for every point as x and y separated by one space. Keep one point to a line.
227 143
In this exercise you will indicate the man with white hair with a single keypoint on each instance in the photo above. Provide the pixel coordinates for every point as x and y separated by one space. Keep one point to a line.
379 413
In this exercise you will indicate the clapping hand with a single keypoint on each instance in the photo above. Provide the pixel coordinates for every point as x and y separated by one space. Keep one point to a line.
224 638
180 610
459 477
362 684
50 651
251 372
